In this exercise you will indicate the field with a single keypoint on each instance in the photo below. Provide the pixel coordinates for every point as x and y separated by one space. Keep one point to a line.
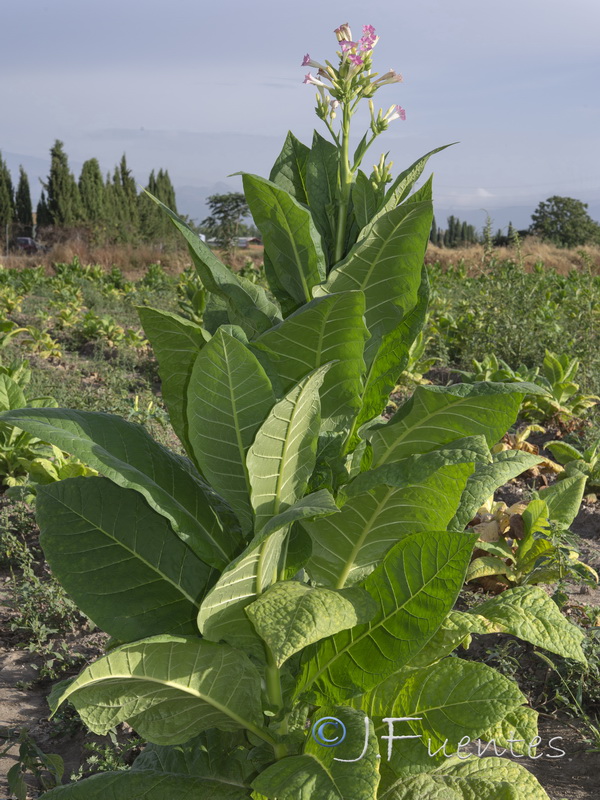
500 315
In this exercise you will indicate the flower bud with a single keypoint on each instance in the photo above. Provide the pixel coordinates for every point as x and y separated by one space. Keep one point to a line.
343 33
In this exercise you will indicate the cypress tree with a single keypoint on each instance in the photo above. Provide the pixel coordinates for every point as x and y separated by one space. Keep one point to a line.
7 208
128 196
433 235
23 207
463 233
42 214
92 192
511 232
64 203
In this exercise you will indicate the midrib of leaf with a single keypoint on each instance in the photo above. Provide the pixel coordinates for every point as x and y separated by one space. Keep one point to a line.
152 567
371 628
357 547
282 461
238 432
297 259
194 693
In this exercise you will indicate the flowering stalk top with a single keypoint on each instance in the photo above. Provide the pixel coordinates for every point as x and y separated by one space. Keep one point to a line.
339 90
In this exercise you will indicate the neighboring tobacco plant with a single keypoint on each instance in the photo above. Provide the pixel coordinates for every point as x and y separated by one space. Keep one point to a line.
289 586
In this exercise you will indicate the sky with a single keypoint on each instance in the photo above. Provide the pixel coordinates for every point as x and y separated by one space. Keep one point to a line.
205 89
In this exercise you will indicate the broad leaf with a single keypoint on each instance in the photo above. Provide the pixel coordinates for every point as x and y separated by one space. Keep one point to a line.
229 397
210 685
328 329
289 169
247 303
282 456
422 496
11 394
486 479
290 615
415 586
564 498
515 732
498 771
364 199
450 699
119 560
222 613
291 240
529 613
423 786
322 189
326 772
392 356
129 456
436 415
176 343
386 266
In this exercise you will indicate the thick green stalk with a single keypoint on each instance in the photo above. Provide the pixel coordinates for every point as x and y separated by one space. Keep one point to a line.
275 695
345 186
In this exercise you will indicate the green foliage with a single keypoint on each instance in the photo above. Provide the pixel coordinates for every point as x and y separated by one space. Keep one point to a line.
23 208
564 221
563 399
7 208
226 214
586 462
303 560
63 199
92 192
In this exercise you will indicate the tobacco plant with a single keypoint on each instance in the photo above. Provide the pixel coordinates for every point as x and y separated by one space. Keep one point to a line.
289 585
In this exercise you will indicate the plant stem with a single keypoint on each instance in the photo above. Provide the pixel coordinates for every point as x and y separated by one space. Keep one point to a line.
275 695
345 185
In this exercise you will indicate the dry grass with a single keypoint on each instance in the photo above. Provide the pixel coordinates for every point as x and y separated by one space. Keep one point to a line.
532 251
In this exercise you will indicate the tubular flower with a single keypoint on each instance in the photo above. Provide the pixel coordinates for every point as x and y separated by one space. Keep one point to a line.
343 33
307 61
308 78
395 112
391 76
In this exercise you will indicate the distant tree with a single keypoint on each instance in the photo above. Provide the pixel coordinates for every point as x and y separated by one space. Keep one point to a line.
23 207
43 217
7 207
510 232
565 222
64 203
92 192
433 235
154 223
227 212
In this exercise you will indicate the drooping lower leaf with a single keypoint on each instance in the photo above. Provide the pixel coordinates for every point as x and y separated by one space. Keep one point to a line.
496 771
119 560
168 689
415 586
129 456
564 498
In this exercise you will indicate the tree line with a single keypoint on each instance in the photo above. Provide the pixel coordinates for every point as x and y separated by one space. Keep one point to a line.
110 207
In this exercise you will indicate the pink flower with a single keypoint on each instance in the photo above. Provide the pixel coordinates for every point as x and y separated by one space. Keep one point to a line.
306 61
347 45
368 30
313 81
395 112
343 33
356 60
391 76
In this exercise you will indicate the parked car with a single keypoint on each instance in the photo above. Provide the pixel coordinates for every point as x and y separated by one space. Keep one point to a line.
27 245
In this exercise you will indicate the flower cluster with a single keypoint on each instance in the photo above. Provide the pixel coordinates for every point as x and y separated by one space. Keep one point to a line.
352 80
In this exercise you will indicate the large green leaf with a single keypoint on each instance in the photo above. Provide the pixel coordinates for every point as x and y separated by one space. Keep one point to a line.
222 614
364 199
516 731
229 397
327 329
291 615
415 587
486 479
176 343
147 785
11 394
322 188
386 265
326 772
291 240
400 188
529 613
120 560
449 700
282 456
392 356
436 415
129 456
289 169
168 689
422 495
564 498
247 304
501 772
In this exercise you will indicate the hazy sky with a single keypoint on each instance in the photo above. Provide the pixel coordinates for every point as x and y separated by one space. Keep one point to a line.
206 88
